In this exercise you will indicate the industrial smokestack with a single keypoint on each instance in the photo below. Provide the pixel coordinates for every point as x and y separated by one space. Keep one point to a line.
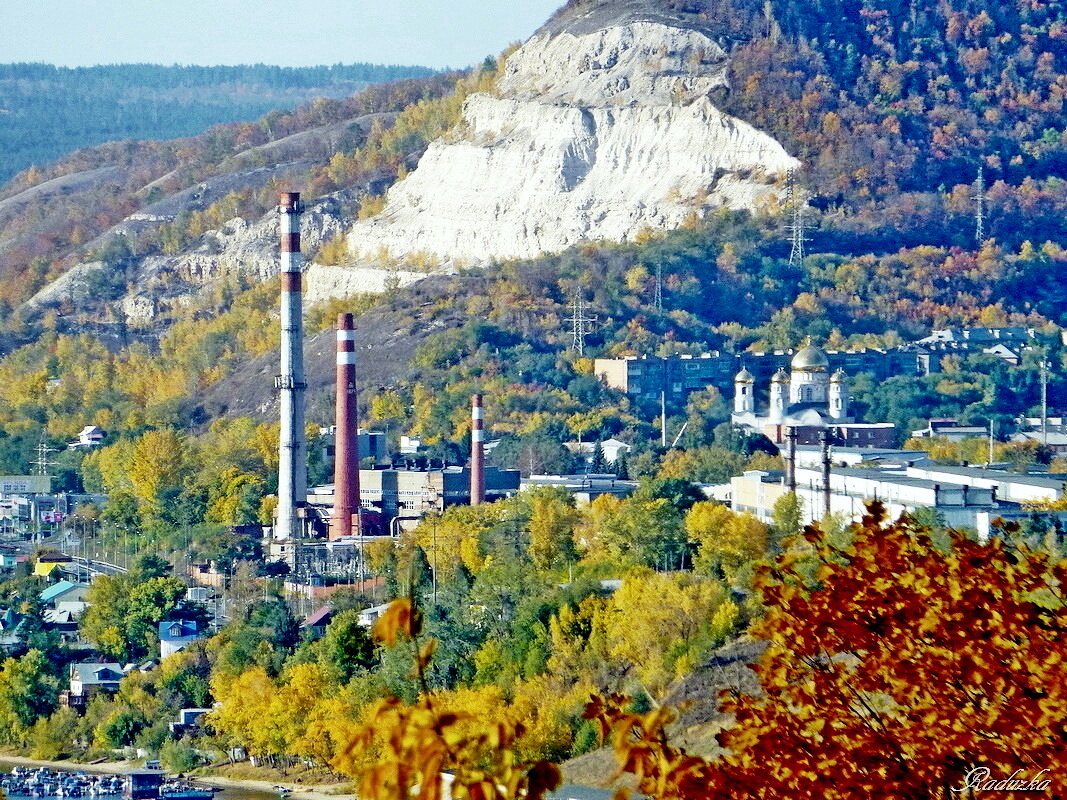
346 436
825 438
477 452
292 446
791 459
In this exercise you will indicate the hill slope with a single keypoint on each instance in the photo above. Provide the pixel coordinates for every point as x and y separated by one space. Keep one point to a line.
47 111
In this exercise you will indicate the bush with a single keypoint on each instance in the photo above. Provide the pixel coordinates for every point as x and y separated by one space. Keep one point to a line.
179 756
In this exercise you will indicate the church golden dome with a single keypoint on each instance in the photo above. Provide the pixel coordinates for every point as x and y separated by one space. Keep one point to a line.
744 376
810 359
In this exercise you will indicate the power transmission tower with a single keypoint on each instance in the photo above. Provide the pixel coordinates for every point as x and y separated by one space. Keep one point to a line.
795 203
581 324
41 465
979 209
657 301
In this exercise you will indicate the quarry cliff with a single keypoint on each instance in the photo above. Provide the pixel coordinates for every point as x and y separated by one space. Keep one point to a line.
603 125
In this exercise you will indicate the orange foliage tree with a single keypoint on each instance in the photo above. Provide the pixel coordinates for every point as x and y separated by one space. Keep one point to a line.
894 669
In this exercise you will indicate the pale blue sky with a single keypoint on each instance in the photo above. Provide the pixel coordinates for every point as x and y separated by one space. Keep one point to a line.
435 33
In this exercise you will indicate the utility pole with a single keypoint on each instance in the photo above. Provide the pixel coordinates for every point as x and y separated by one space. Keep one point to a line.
979 208
581 324
990 461
795 203
791 466
663 409
825 438
1044 398
658 299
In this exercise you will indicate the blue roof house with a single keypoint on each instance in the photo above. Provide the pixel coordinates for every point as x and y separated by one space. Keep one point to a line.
175 635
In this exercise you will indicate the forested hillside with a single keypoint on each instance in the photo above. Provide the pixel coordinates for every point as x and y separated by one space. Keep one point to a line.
48 111
53 217
890 168
879 634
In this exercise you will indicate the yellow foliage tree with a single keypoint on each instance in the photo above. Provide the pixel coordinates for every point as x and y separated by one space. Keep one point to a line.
725 540
658 623
156 463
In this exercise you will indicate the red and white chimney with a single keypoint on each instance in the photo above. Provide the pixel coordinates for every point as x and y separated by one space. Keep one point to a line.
346 503
292 449
477 451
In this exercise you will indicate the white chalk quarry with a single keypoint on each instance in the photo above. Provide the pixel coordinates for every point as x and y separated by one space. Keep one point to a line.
591 136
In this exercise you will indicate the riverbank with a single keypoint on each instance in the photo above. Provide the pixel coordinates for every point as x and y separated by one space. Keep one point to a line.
318 791
204 775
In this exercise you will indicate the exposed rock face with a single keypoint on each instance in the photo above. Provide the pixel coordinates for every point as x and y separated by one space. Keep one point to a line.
595 131
250 249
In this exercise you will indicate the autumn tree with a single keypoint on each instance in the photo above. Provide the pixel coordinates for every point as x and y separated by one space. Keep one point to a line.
726 540
402 751
552 521
894 670
28 691
123 612
662 624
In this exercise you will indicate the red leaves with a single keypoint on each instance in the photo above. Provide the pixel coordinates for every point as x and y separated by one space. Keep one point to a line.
889 675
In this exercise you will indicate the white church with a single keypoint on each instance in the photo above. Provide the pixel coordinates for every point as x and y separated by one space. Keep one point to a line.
806 396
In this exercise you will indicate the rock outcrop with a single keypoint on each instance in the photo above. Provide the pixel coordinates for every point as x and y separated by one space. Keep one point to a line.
601 126
161 283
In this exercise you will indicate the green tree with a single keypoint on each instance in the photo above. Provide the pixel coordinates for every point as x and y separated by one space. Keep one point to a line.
786 520
28 692
346 648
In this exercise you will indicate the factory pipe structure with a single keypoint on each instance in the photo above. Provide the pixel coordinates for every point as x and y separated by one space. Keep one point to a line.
346 506
292 446
825 437
477 451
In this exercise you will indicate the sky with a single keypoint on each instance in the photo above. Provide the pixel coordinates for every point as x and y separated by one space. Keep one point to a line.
433 33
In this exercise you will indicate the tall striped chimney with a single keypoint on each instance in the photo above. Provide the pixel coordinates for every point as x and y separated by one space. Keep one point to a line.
292 446
346 435
477 452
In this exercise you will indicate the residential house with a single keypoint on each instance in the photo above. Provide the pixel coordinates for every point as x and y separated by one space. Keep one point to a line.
317 621
11 624
48 564
188 723
90 436
175 635
92 678
368 616
64 592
